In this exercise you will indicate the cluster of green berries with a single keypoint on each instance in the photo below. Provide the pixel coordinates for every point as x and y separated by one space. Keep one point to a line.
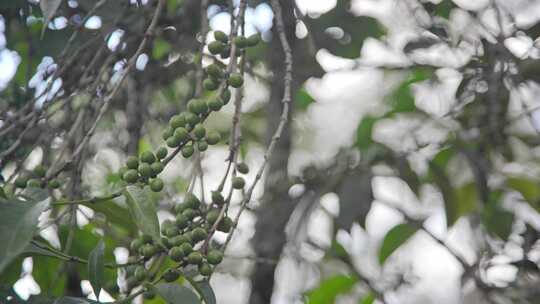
36 179
145 169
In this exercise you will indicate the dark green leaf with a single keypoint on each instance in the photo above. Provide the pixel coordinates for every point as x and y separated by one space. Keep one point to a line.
303 99
330 288
18 223
206 292
176 294
396 237
529 189
402 99
355 199
33 250
364 133
369 299
73 300
96 267
143 210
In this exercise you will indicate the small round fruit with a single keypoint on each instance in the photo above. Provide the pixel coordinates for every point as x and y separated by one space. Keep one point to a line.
199 131
205 269
140 273
40 171
167 133
214 70
210 85
217 198
157 167
225 224
161 153
146 238
186 248
192 201
226 96
21 182
182 221
131 176
242 168
179 240
176 254
253 40
214 257
192 119
171 231
238 182
240 41
189 213
145 170
181 134
195 258
132 162
172 142
156 185
148 157
136 245
202 146
197 106
166 242
221 36
216 47
215 104
199 234
187 151
178 208
235 80
212 216
213 137
148 250
171 275
177 121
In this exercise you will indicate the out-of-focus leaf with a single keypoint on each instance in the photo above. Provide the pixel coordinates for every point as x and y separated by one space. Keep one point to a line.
74 300
529 189
161 48
176 294
497 220
407 174
330 288
143 210
48 8
206 291
337 251
45 273
96 267
369 299
32 250
303 99
364 133
355 198
18 223
420 43
396 237
115 214
402 99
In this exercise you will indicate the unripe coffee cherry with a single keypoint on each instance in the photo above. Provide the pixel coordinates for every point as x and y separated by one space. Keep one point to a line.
242 168
215 104
217 198
54 184
148 157
187 151
195 258
214 257
235 80
167 133
221 36
172 232
173 142
171 275
179 240
181 221
145 170
240 41
205 269
136 245
197 106
156 185
225 224
176 254
238 182
21 182
186 248
253 40
161 153
199 234
40 171
212 216
131 176
199 131
214 70
177 121
140 273
157 167
189 213
180 207
192 119
166 242
146 238
132 162
226 96
192 201
148 250
181 134
210 85
213 137
216 47
202 146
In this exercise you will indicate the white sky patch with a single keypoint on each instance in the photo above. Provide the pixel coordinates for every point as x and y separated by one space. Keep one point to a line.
141 62
315 6
93 23
58 23
114 39
9 61
26 286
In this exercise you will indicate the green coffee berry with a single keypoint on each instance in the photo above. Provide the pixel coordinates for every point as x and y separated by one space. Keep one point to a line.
172 232
136 245
216 47
176 254
192 119
140 273
226 96
178 208
132 162
199 234
192 201
156 185
182 221
235 80
197 106
148 250
212 216
221 36
213 137
166 242
171 275
195 258
240 41
205 269
161 153
145 170
214 70
167 133
186 248
215 104
253 40
210 85
21 182
214 257
146 238
172 142
199 131
202 146
179 240
187 151
238 182
157 167
181 134
40 171
148 157
242 168
217 198
131 176
177 121
225 224
189 213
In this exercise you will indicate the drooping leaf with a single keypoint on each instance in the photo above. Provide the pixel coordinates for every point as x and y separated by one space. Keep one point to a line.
329 289
96 267
48 8
115 214
143 210
529 189
396 237
497 220
407 174
364 133
176 294
402 99
369 299
355 199
18 223
206 291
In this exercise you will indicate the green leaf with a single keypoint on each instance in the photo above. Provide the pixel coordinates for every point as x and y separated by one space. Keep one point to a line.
303 99
497 220
206 291
48 8
364 133
161 48
369 299
330 288
115 214
96 267
73 300
176 294
529 189
34 250
402 99
143 210
18 223
396 237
